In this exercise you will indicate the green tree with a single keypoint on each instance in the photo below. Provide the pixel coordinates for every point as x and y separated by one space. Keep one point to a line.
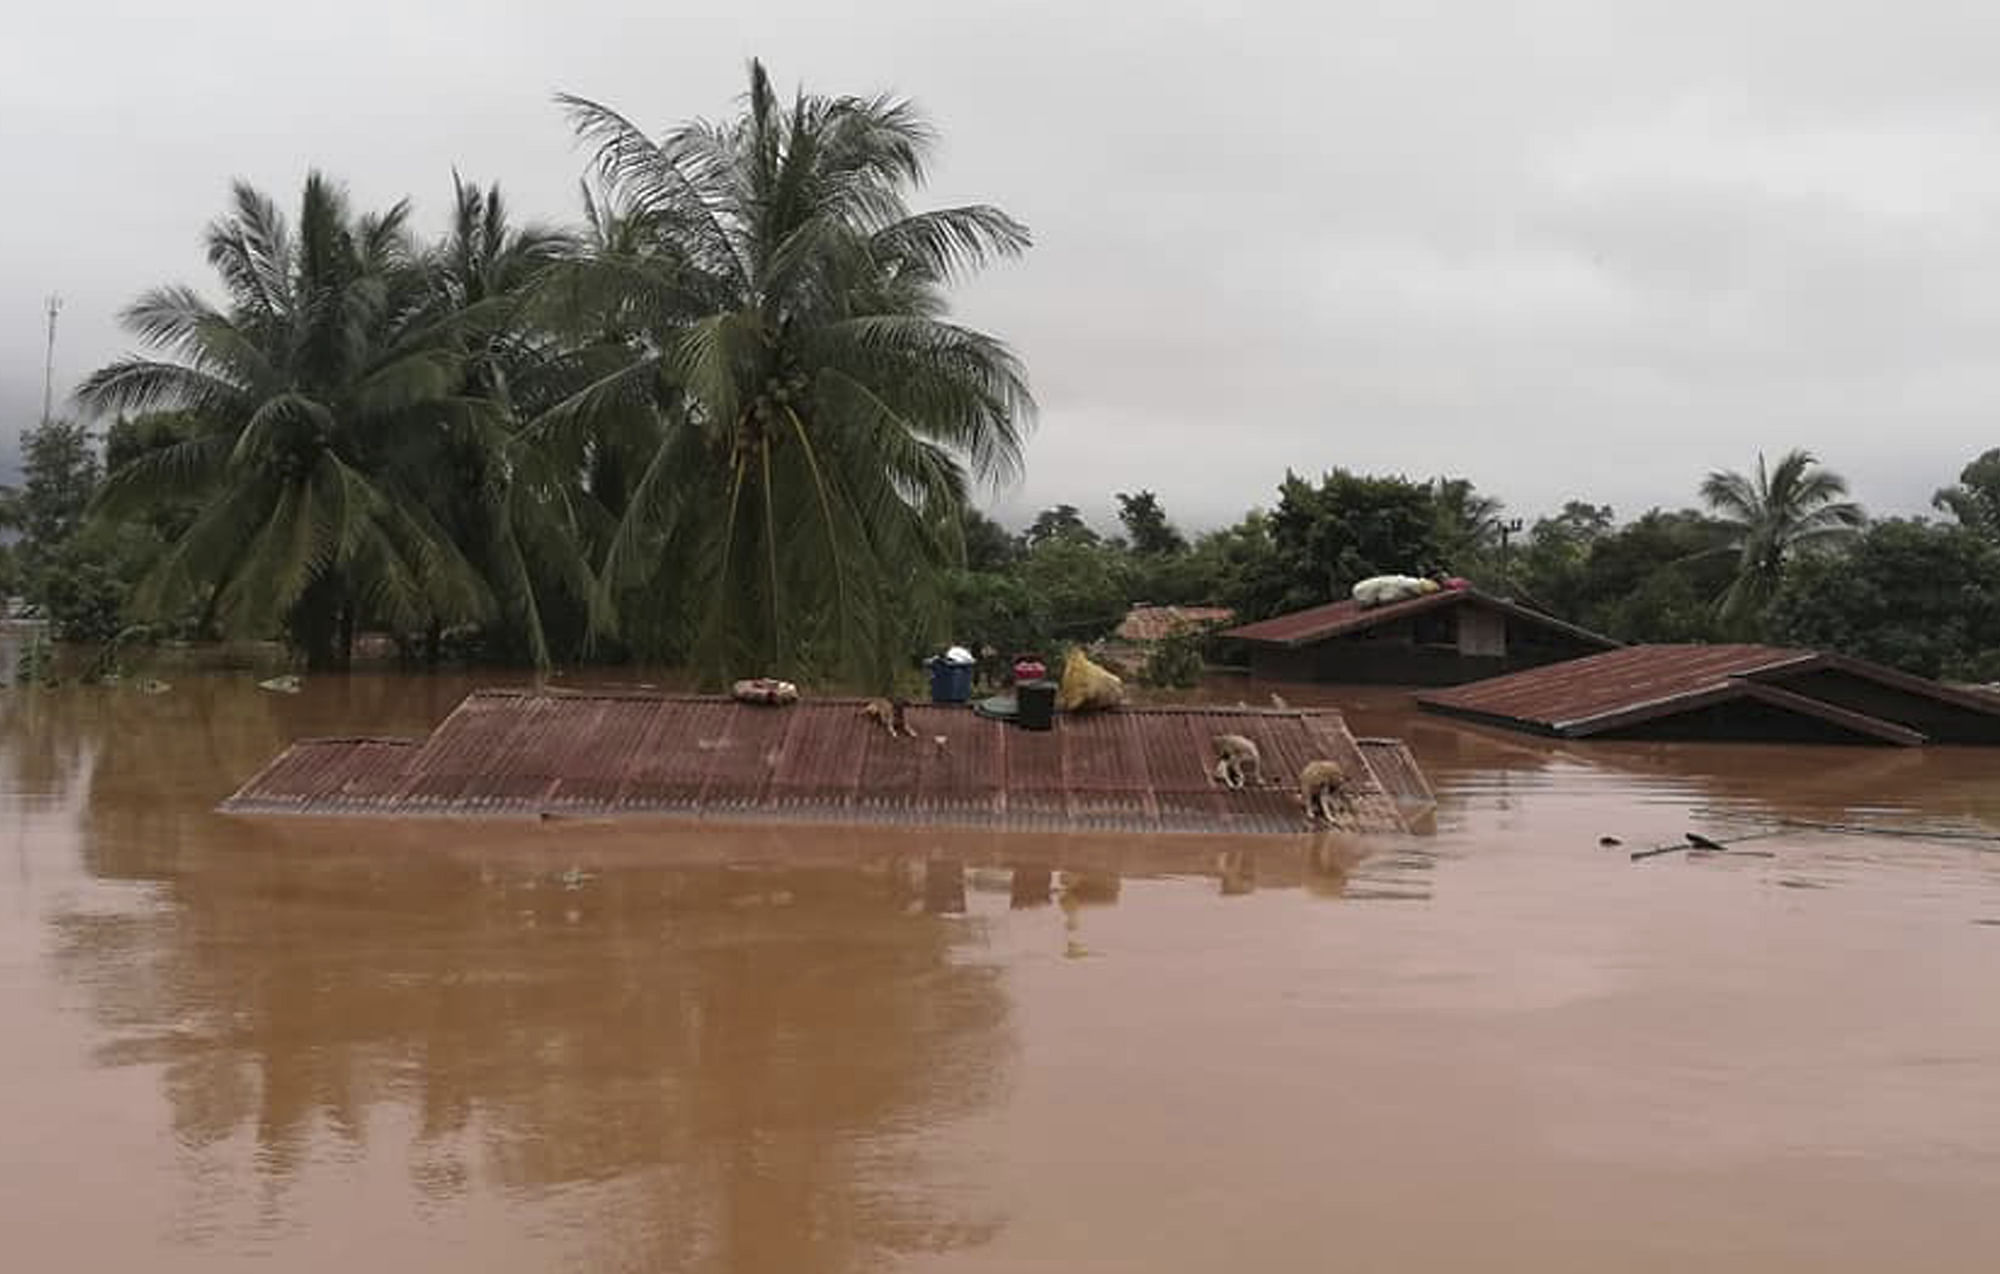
1656 578
988 546
1146 523
514 508
1914 595
1060 522
1975 500
771 313
1468 525
1782 512
1081 588
1327 537
60 474
77 575
1550 571
310 387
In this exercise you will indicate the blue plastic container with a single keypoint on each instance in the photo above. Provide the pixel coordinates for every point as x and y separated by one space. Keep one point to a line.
950 682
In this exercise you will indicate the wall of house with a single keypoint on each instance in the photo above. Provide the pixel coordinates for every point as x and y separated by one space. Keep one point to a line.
1940 720
1742 721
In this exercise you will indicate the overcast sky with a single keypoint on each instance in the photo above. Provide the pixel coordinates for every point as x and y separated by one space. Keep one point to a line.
1579 248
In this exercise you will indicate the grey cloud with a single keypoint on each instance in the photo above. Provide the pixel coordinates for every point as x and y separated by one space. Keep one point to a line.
1563 248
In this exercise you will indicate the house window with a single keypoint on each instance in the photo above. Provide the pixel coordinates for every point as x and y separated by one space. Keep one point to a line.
1436 628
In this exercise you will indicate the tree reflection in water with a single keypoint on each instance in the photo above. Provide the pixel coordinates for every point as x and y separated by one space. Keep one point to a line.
736 1068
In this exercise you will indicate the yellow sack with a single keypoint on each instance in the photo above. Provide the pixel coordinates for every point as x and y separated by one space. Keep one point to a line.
1087 687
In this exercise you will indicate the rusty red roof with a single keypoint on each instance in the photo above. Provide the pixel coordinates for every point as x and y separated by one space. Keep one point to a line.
516 753
1394 767
1337 619
1151 623
1638 684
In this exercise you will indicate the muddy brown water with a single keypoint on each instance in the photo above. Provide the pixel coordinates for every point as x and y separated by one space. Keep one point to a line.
234 1044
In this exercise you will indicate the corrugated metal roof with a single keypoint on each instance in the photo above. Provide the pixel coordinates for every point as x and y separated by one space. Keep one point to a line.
1564 695
1395 767
1623 688
1337 619
521 754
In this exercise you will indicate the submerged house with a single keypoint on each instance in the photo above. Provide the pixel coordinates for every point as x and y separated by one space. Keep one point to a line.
1145 626
1441 639
1727 692
515 754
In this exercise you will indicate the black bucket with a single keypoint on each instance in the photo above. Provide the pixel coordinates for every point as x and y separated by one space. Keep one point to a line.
1035 705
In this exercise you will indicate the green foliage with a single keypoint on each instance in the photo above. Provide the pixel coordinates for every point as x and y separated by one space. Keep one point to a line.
35 664
61 472
1784 512
1081 588
725 419
994 610
1146 524
1917 596
1325 538
1552 570
77 575
1975 500
1654 579
988 547
324 393
1657 578
1176 659
1064 590
790 425
1468 528
81 588
1061 522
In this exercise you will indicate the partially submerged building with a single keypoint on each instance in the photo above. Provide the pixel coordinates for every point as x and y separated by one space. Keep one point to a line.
1145 626
519 754
1441 639
1727 692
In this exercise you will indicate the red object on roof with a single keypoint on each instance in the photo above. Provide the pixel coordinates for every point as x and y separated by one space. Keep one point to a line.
1338 619
1641 685
518 754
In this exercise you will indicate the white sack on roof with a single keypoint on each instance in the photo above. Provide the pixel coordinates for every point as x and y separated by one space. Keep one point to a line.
1380 590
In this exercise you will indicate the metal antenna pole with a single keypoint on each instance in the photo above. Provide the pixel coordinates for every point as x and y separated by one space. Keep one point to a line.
49 364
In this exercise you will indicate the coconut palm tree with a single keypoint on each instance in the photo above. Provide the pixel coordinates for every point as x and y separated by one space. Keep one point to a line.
1468 522
1793 508
326 369
811 419
512 507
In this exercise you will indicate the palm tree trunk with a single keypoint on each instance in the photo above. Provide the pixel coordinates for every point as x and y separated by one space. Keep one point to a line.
321 625
347 621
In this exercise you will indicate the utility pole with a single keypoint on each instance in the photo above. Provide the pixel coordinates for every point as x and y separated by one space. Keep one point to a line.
1508 530
49 364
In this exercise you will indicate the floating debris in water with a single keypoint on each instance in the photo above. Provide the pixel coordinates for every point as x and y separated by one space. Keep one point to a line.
1609 842
1696 843
289 684
151 686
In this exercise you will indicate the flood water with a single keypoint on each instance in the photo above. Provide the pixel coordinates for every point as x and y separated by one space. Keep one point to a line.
234 1044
